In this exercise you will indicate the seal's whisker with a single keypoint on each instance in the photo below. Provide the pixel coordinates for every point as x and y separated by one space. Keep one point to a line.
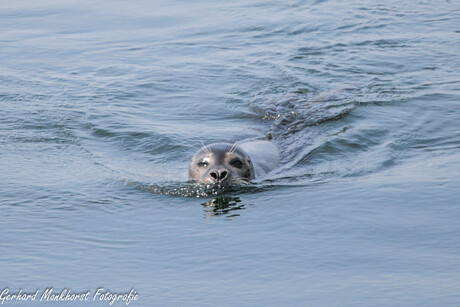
205 148
233 148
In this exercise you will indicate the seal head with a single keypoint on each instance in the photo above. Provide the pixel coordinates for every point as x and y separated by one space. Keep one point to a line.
221 163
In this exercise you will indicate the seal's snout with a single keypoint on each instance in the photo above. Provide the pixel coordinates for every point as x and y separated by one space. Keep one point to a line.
219 175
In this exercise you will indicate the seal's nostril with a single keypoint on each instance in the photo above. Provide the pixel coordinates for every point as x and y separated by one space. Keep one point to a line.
219 175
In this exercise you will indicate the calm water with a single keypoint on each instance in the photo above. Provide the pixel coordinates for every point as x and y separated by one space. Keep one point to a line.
103 103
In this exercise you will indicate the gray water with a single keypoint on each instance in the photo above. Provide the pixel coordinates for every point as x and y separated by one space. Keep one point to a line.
103 103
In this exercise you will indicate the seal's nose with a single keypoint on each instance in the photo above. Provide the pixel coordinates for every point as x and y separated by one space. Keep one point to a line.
218 175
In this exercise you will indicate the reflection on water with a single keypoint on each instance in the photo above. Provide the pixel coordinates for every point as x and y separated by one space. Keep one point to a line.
224 205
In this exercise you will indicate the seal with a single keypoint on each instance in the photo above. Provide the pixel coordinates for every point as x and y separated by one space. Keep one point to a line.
224 163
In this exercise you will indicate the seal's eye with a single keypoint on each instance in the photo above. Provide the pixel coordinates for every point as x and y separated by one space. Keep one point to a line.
236 163
203 164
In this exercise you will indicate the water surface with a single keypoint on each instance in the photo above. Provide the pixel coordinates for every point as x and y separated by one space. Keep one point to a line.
103 104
